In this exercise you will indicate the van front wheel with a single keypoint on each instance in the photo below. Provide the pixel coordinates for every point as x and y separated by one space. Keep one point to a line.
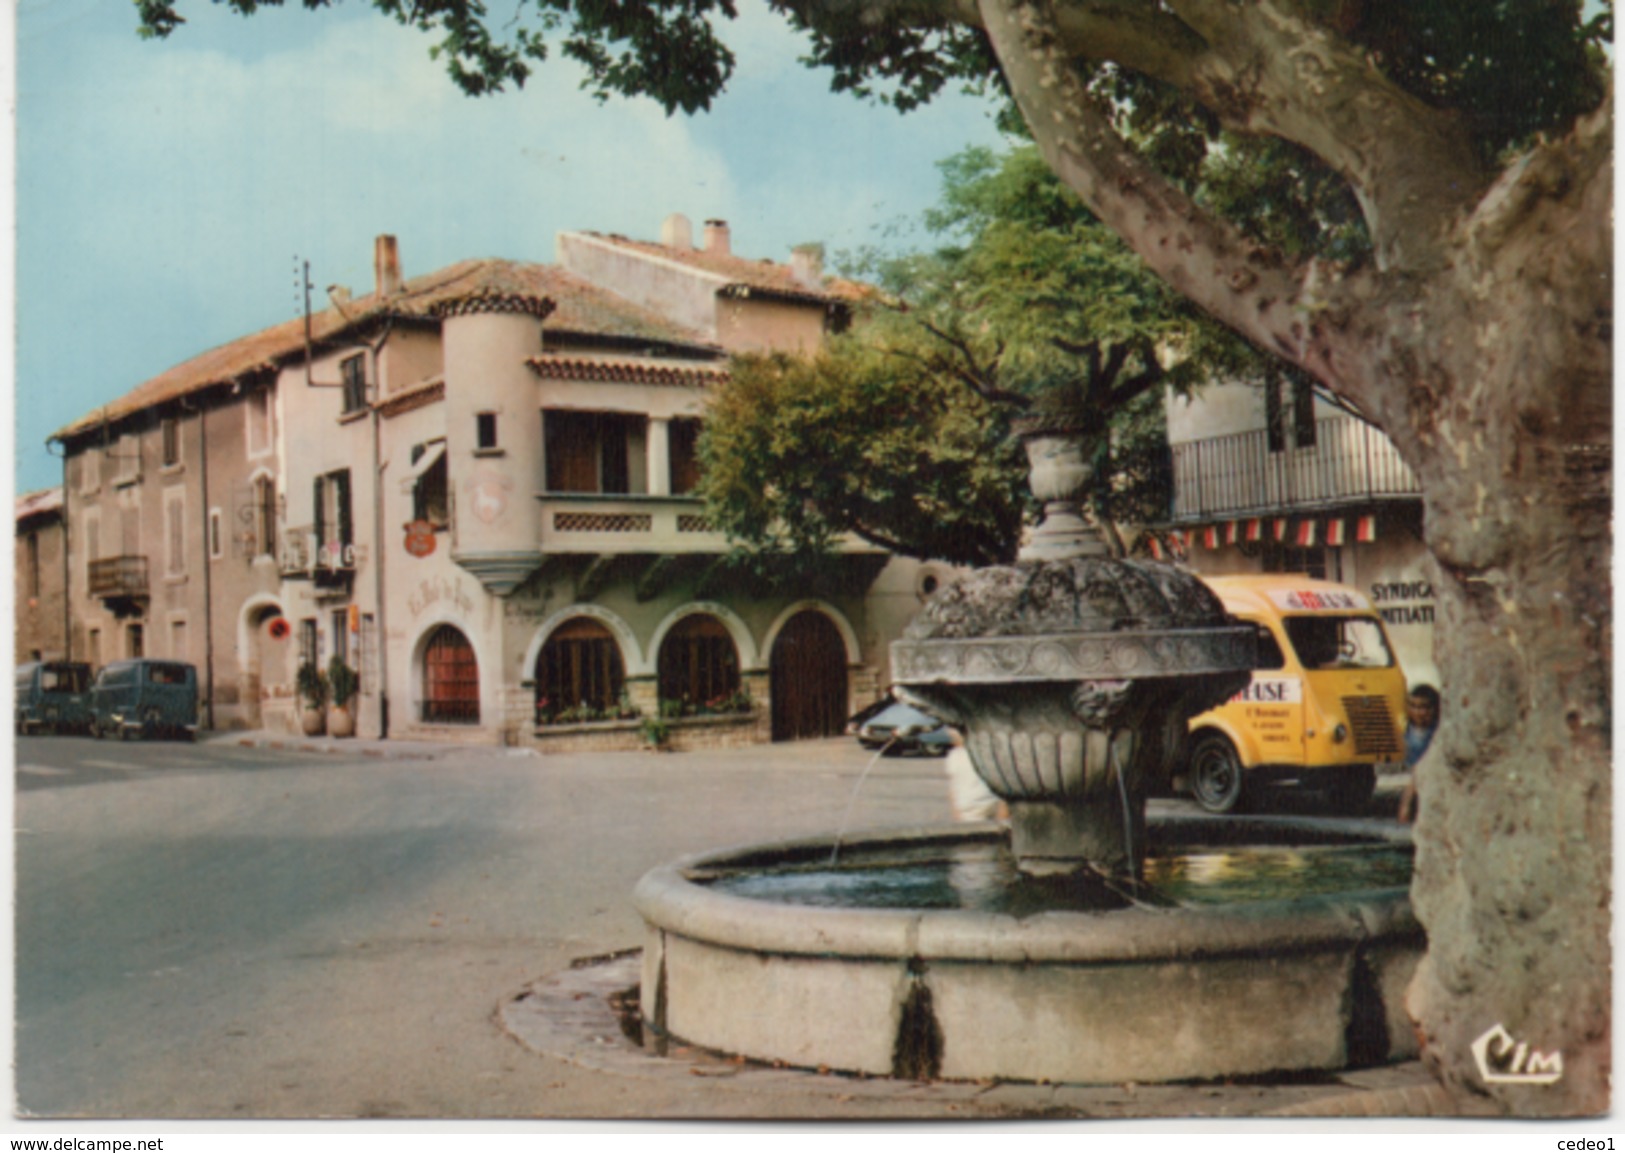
1215 773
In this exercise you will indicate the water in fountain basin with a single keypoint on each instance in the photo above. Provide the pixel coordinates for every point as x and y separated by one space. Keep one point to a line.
983 877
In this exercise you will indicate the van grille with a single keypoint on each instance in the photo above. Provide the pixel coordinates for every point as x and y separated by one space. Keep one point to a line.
1375 733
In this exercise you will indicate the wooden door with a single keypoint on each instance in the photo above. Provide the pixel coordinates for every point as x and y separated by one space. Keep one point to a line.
451 679
808 671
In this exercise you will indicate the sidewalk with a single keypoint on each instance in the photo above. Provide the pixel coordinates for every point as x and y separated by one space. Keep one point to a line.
401 750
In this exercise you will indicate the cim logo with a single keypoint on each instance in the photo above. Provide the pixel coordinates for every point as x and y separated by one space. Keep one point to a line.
1271 691
1504 1060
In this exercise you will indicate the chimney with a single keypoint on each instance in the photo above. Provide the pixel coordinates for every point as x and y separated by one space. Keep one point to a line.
807 265
386 266
676 232
716 237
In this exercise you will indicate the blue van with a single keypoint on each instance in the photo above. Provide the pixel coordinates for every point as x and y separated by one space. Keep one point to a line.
52 697
145 698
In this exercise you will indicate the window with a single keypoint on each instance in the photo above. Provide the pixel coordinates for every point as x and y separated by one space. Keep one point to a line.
353 370
90 470
485 431
217 540
600 452
170 435
259 421
685 456
431 486
341 634
178 641
1303 414
1280 408
579 674
451 679
33 564
127 459
175 532
93 646
698 663
264 516
309 654
334 528
135 642
1319 563
1269 650
1330 642
93 538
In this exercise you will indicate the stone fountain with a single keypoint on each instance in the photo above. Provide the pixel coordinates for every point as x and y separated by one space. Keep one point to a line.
1082 944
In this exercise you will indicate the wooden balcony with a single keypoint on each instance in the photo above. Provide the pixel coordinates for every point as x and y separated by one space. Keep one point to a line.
118 576
120 582
1232 476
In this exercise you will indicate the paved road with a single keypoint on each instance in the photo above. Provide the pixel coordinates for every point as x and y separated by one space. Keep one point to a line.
214 930
217 931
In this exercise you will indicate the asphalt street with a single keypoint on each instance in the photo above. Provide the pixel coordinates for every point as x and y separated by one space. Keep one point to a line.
213 930
265 928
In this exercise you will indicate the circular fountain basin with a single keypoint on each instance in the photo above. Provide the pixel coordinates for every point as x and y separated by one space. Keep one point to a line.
926 954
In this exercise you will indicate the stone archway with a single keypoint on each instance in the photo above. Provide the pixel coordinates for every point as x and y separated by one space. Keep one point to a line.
262 660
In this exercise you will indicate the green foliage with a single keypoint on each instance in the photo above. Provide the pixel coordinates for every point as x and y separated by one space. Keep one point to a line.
1029 301
654 731
343 680
737 702
311 684
924 466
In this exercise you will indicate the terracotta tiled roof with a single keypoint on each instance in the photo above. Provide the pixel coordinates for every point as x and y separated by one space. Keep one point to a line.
578 307
35 503
628 370
740 273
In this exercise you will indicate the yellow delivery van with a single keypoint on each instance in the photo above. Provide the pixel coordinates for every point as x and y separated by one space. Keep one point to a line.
1326 704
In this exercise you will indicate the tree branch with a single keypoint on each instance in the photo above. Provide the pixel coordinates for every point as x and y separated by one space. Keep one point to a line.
978 378
1200 256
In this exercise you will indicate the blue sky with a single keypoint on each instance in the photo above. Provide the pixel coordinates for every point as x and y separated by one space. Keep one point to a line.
166 190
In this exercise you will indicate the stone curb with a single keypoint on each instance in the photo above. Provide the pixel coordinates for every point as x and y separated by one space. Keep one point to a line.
568 1016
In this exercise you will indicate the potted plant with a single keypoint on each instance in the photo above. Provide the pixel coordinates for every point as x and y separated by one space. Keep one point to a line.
343 681
655 732
311 684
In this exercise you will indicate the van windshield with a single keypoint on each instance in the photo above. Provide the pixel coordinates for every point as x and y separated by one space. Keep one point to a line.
64 678
1334 642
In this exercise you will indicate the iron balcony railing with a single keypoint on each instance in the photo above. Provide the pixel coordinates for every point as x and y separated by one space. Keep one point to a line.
1238 475
303 555
119 576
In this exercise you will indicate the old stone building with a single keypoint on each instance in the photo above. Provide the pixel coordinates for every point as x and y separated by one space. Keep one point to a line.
475 488
40 598
1279 480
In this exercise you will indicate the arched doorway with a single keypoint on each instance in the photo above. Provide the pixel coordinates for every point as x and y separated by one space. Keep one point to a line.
698 663
808 670
451 679
579 673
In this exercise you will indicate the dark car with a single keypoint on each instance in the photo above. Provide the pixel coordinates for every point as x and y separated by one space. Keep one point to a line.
53 697
145 698
901 728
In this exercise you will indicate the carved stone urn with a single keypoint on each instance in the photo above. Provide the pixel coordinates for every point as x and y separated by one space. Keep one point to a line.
1072 672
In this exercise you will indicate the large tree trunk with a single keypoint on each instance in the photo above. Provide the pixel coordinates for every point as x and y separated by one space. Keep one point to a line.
1509 422
1480 342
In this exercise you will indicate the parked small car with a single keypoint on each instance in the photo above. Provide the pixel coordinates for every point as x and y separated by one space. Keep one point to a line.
145 698
53 697
899 728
